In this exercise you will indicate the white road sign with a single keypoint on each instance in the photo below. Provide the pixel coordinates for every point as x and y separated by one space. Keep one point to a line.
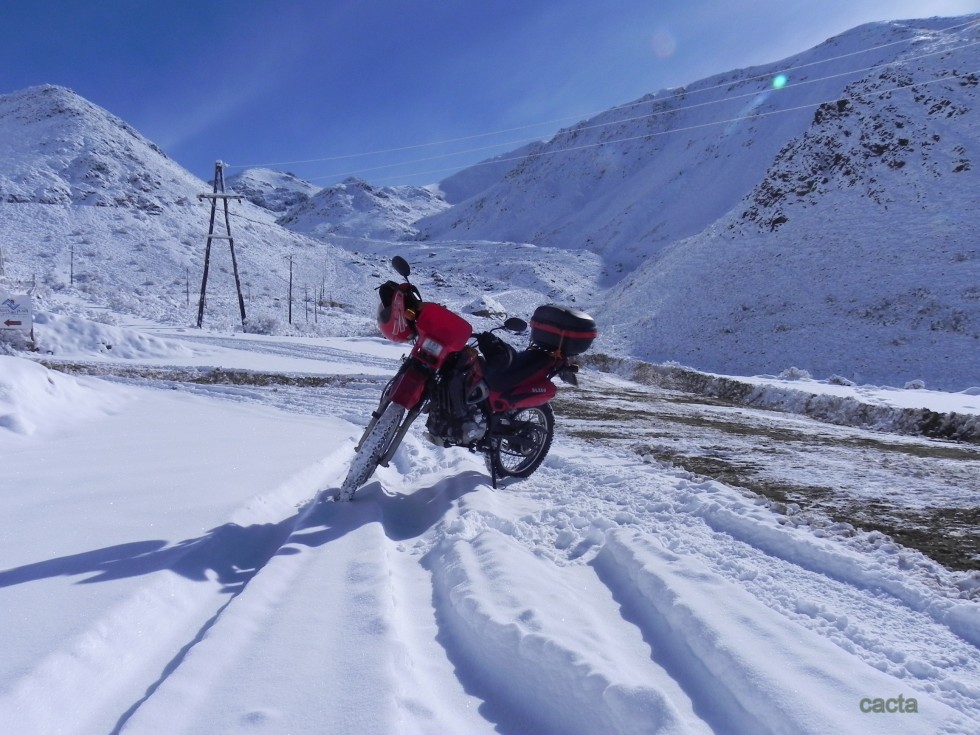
16 312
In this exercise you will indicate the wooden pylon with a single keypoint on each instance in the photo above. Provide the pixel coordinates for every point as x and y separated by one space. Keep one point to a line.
218 194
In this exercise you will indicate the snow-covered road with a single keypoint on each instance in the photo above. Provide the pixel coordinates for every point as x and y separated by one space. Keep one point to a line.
167 567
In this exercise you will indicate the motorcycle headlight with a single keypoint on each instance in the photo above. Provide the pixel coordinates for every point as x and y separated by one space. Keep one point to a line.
432 348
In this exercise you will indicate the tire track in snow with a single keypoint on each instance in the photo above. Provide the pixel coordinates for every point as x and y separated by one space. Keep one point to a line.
501 643
585 672
671 505
336 547
961 618
749 670
569 510
349 576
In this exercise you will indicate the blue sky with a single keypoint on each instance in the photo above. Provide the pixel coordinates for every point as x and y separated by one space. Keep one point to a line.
449 82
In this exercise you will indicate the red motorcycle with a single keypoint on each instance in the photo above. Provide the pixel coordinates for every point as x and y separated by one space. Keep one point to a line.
487 397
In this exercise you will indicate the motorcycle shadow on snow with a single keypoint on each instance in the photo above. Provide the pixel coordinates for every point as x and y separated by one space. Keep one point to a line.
409 515
232 554
403 516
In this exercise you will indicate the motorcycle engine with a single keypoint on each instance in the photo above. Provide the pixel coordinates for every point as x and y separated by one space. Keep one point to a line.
455 414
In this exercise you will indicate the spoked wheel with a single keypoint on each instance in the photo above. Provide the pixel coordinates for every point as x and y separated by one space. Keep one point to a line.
375 442
528 433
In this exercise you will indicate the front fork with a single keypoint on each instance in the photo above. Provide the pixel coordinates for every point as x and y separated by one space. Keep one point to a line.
400 434
405 385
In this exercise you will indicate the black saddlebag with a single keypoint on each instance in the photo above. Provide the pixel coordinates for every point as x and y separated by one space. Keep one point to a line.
563 329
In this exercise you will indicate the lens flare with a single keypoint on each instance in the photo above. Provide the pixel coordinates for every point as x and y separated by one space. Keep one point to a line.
779 81
663 44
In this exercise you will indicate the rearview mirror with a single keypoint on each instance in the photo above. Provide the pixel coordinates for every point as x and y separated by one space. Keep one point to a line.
515 325
401 266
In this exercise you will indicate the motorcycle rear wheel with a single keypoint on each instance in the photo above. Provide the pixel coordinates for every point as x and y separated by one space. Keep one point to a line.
520 455
372 448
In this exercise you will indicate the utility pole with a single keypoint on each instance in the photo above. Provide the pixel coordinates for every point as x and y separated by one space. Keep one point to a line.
71 267
218 194
290 259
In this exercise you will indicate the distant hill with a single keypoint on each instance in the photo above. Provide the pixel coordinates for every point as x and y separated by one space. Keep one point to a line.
58 148
355 208
93 213
272 190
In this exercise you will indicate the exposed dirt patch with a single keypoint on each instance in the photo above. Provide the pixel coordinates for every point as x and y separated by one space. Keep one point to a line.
785 459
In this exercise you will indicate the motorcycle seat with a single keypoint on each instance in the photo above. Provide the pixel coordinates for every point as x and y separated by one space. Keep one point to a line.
523 366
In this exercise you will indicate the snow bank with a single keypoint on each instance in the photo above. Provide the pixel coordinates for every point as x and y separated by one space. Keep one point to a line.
71 336
33 398
934 414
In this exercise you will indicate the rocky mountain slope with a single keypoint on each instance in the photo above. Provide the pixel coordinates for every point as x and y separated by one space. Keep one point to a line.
355 208
818 212
855 254
92 213
637 178
269 189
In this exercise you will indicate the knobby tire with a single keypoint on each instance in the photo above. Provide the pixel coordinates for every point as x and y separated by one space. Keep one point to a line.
533 428
372 449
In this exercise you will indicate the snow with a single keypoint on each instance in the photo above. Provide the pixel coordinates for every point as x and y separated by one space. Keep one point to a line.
354 208
775 546
828 224
272 190
177 570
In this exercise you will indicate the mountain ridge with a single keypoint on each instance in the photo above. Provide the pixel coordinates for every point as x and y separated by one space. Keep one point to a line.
821 218
643 175
356 208
73 159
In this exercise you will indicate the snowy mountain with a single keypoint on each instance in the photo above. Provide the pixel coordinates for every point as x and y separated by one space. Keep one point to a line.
94 215
58 148
818 212
272 190
855 254
147 260
641 176
355 208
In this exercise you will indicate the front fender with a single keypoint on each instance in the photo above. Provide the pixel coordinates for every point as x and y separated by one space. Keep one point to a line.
408 388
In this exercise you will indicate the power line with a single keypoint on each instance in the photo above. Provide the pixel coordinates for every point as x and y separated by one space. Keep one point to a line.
666 111
627 106
699 126
727 121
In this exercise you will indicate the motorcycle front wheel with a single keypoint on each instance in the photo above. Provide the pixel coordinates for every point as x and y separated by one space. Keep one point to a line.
525 439
375 442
